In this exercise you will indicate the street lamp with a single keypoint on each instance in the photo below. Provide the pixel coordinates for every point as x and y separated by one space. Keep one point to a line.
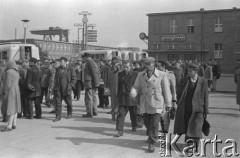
25 25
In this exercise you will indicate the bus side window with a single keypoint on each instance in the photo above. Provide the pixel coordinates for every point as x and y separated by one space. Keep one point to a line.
28 53
4 55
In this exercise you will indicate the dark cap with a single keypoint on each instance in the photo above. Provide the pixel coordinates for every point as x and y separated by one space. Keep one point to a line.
86 55
64 58
149 60
34 60
193 66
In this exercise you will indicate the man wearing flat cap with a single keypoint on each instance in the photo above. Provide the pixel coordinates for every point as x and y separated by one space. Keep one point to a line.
91 82
34 89
64 83
192 99
155 98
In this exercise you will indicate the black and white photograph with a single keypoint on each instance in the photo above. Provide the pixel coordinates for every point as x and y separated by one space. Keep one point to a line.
119 78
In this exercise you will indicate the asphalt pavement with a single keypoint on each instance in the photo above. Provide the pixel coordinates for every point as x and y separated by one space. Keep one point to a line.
93 137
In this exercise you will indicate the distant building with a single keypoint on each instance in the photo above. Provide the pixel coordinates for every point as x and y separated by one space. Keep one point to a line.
196 35
57 49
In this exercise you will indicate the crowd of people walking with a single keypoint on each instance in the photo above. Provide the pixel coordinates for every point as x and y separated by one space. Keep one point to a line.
149 90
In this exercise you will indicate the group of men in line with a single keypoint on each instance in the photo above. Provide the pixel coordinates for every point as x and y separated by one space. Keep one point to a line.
148 89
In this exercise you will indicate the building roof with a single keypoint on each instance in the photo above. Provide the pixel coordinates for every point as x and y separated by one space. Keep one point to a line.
234 9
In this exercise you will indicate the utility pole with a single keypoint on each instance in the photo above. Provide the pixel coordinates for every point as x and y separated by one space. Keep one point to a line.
85 26
25 25
79 26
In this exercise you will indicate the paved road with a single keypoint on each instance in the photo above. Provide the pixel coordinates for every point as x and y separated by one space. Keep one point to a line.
93 137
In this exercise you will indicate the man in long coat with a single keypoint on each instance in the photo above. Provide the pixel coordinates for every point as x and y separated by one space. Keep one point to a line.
91 82
65 82
192 99
34 89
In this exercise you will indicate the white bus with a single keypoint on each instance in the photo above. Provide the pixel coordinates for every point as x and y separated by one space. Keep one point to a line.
102 54
18 51
133 55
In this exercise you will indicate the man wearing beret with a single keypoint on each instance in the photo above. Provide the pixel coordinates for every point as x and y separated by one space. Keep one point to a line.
91 82
34 89
65 81
192 99
155 98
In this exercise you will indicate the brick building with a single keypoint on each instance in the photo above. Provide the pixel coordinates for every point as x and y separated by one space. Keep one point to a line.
196 35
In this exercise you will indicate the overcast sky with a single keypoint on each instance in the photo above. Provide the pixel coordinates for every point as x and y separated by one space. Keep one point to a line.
118 22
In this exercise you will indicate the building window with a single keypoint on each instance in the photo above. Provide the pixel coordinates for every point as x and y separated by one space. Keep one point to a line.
218 25
173 26
173 57
190 46
218 50
190 26
173 46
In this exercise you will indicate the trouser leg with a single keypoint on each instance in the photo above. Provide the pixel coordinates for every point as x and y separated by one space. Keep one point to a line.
68 100
100 96
122 112
153 127
146 119
94 105
133 117
58 101
38 108
88 100
165 122
30 107
78 87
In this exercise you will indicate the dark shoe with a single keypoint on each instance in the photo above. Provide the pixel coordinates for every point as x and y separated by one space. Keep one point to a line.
30 117
134 129
109 112
119 134
94 114
52 112
6 129
69 117
14 127
139 126
37 117
57 119
87 115
100 106
4 120
19 115
151 148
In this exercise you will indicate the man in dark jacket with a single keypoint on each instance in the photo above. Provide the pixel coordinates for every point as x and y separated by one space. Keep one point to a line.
126 80
91 82
65 81
45 74
34 89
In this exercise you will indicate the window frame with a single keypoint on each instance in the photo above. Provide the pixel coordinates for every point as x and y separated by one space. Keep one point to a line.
173 26
190 26
218 25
